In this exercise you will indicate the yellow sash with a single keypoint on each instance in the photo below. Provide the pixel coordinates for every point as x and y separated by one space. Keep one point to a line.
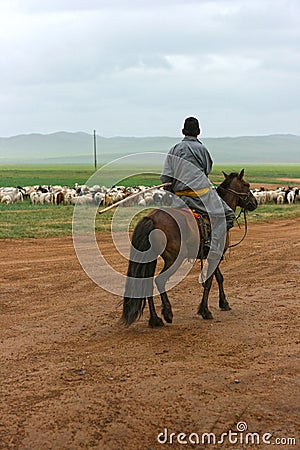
191 193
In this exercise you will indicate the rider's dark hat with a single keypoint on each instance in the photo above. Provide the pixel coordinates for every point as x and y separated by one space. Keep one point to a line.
191 127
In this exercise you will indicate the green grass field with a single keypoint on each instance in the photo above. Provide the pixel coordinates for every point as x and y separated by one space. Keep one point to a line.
23 220
69 175
36 175
268 173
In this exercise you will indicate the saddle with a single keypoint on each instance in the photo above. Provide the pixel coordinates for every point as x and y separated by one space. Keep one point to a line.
204 227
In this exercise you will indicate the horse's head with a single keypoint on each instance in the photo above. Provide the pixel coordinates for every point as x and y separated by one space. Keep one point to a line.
236 191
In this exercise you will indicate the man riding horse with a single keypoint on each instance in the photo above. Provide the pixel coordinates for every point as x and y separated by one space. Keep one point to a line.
187 167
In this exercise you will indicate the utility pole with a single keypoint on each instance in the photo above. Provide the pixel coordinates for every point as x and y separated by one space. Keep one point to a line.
95 150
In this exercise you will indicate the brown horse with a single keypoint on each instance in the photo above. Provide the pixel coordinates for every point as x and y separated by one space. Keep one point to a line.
174 247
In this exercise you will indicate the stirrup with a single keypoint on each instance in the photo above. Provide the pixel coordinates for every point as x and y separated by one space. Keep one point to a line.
207 243
204 227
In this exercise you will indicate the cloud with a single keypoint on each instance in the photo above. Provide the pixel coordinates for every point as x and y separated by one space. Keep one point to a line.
72 65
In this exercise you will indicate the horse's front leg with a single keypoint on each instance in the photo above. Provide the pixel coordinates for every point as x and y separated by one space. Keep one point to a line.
203 307
223 303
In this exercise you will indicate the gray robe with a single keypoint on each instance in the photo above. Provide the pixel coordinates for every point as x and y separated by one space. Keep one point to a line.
187 166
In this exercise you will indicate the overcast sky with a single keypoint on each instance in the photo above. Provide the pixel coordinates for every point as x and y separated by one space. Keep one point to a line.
139 67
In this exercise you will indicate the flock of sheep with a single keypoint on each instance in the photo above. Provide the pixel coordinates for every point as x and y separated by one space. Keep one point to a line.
101 195
278 196
84 195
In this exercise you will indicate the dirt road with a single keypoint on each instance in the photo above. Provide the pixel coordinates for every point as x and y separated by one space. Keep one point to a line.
73 378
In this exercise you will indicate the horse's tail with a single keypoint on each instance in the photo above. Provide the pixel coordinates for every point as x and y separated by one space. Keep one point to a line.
139 282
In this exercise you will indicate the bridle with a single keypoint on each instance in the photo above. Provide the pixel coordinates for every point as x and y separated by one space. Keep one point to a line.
244 196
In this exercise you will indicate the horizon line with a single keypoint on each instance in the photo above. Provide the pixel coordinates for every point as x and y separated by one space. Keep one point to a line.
145 137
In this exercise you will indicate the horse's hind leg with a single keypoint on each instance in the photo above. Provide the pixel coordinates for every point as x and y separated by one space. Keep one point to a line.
203 307
166 308
172 266
223 303
154 320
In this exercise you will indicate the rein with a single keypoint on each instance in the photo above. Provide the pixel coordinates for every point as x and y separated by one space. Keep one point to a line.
243 211
246 228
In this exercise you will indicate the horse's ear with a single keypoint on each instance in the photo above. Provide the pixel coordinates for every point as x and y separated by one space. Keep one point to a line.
225 174
241 175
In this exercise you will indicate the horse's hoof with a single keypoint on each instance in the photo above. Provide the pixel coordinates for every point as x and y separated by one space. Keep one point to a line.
168 319
225 307
155 322
207 315
168 316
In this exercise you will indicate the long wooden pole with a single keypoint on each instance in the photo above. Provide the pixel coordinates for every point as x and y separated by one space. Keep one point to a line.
95 150
132 196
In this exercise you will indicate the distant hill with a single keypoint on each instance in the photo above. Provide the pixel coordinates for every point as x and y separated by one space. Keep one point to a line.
77 148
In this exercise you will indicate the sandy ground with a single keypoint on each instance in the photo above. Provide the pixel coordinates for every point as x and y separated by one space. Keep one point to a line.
73 378
296 180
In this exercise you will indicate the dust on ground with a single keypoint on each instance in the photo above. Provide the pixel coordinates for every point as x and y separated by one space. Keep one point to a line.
73 378
295 180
